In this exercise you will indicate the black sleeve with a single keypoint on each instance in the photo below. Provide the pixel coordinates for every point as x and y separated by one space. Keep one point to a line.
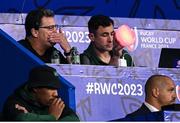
84 59
9 110
68 111
63 60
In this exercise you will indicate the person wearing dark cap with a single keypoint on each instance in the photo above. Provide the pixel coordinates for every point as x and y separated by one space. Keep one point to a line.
37 99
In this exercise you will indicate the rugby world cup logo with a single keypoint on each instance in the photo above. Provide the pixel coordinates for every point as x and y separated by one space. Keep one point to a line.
178 92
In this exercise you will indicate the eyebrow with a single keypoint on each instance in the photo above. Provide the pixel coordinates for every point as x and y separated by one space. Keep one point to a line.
108 32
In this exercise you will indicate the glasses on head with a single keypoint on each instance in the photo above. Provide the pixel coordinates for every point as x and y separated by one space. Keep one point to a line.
51 27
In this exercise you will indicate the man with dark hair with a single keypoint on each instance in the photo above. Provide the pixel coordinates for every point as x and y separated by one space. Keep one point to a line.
159 91
37 99
103 49
42 34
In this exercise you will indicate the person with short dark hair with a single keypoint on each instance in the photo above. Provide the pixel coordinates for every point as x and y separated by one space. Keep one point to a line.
37 99
159 92
42 33
103 49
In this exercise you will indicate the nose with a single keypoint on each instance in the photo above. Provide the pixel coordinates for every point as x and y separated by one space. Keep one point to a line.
110 38
54 93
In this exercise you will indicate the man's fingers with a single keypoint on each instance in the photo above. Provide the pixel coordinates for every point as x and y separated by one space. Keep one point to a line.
17 106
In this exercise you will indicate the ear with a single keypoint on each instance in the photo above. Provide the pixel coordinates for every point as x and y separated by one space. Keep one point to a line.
91 36
155 92
34 32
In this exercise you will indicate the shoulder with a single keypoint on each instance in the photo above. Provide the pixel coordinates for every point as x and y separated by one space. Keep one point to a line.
9 109
11 106
140 111
22 41
89 51
15 98
87 55
25 43
84 58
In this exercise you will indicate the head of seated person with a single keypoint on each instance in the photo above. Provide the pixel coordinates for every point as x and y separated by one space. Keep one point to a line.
159 92
37 99
42 33
103 48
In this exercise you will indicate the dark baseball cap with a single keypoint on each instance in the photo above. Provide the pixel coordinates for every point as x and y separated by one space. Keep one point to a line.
43 76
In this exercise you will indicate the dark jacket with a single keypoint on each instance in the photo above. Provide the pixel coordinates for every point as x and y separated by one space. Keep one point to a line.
36 112
89 57
143 114
47 55
141 111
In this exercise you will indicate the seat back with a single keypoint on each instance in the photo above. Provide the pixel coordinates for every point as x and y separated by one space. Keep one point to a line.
16 62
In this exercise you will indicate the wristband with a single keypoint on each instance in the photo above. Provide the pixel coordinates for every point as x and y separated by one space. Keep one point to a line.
67 54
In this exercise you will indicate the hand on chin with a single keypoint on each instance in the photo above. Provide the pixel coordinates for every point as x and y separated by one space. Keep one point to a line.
52 43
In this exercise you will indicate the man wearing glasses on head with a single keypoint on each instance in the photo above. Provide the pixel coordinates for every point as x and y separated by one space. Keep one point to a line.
42 34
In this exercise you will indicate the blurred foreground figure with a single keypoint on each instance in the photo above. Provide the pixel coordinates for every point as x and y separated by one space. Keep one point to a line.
37 99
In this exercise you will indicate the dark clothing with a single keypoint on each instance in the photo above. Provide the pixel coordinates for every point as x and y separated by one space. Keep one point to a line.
47 55
36 112
171 107
143 114
89 57
141 111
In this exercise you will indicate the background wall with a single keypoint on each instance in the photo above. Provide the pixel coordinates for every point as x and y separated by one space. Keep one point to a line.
163 33
159 9
151 34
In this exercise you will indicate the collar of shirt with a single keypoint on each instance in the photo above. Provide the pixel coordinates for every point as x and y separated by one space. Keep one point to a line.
150 107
